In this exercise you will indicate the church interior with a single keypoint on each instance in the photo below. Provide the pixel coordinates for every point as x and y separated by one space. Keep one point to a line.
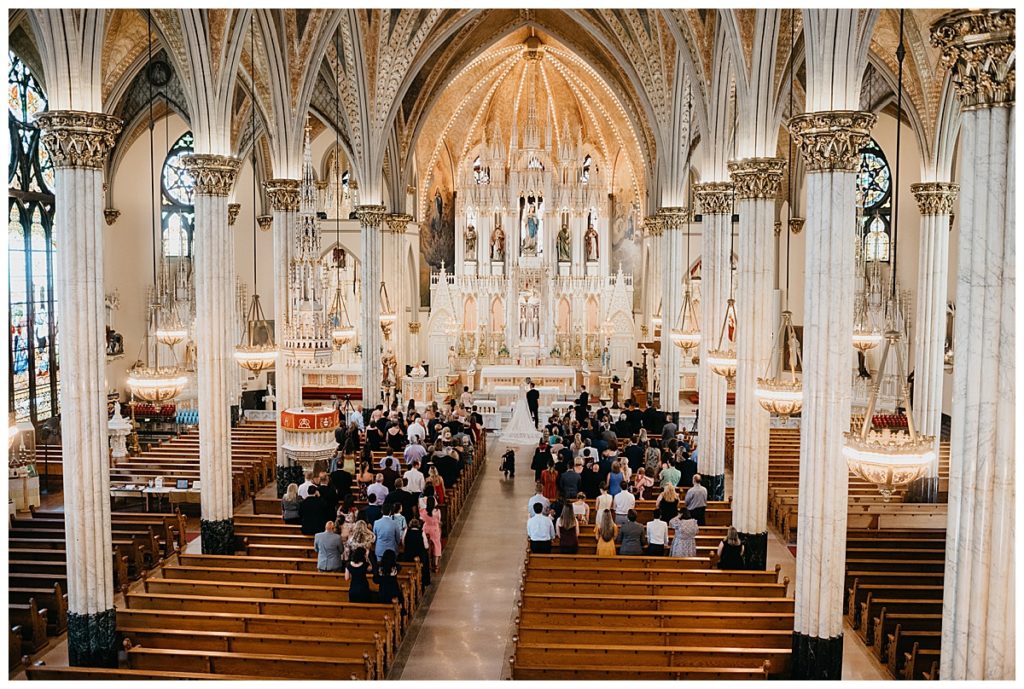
307 305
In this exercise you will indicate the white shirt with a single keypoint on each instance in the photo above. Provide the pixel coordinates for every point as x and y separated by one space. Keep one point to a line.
657 532
304 489
378 489
466 399
624 501
413 452
413 480
416 432
357 418
537 498
540 528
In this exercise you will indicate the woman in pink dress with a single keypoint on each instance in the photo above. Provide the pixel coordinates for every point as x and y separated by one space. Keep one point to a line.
431 518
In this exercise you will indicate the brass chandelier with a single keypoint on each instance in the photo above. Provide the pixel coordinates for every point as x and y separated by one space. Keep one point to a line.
254 353
342 330
687 335
890 458
147 382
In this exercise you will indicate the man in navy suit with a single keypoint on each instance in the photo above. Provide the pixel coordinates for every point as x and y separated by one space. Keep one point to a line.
533 402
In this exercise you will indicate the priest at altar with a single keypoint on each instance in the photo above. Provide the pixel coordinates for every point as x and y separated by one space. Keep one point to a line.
502 383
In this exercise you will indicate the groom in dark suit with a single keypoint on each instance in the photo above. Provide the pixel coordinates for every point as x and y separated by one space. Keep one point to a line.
533 402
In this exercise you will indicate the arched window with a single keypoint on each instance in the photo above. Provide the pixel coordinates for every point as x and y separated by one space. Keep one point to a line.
874 196
585 175
178 212
33 380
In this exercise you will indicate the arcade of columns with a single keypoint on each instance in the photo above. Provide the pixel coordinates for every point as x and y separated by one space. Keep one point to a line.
978 628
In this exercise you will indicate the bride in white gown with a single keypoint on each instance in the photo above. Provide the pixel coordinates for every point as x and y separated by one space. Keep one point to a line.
520 429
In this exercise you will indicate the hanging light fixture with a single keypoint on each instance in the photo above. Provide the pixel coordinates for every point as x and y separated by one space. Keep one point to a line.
155 383
253 352
656 319
687 335
722 359
342 330
387 312
890 458
782 394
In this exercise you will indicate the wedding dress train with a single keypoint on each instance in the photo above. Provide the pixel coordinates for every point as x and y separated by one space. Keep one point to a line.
520 429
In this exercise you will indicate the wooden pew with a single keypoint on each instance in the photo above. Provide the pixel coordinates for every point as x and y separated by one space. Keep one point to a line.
230 663
99 674
32 620
901 643
52 598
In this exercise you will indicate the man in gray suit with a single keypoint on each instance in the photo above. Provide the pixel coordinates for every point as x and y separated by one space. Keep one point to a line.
328 549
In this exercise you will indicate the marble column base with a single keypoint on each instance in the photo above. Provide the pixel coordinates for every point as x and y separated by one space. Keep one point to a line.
286 475
715 486
755 550
925 489
91 639
817 659
218 536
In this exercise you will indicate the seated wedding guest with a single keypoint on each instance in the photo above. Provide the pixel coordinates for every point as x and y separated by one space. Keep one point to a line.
568 532
290 505
731 551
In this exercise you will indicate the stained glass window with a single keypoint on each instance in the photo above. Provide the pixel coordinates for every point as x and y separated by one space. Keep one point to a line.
874 197
33 371
178 215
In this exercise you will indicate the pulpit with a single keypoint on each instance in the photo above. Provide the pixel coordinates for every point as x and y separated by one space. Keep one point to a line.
421 390
309 435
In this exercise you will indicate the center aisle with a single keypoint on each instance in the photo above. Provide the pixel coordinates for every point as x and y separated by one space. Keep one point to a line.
468 623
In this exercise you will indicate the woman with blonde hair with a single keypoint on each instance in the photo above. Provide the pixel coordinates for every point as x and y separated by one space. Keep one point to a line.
434 479
642 482
668 502
577 445
730 551
605 532
360 537
290 505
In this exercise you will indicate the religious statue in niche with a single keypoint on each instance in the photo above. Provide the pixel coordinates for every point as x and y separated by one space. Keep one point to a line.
452 359
564 244
470 243
590 240
531 224
437 241
389 363
498 245
606 362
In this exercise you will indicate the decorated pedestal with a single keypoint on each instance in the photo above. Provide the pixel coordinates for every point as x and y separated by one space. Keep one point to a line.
452 383
564 268
497 268
421 390
469 267
118 430
309 435
605 383
593 268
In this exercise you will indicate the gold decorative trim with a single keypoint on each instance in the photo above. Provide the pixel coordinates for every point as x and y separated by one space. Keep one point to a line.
283 194
796 224
671 217
214 174
265 221
371 215
398 222
652 226
111 215
414 327
935 198
831 140
715 198
978 48
757 178
78 139
233 209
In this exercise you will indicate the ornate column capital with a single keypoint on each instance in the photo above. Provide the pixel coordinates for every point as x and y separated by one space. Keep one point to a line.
214 174
264 221
757 178
652 226
671 217
397 222
111 215
371 215
233 209
715 198
283 194
75 138
978 47
832 140
935 198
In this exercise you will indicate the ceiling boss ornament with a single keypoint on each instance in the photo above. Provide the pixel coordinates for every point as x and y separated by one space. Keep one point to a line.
978 49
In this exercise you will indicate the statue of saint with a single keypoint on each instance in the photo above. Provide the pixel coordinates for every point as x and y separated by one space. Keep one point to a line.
451 360
606 362
590 243
532 223
390 365
470 243
564 244
498 244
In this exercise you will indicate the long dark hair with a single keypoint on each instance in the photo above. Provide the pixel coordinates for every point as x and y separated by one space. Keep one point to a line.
431 504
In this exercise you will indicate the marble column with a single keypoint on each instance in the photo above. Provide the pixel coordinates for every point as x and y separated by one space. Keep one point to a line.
395 276
284 202
935 201
78 143
978 604
215 305
672 223
371 217
829 143
715 200
757 183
